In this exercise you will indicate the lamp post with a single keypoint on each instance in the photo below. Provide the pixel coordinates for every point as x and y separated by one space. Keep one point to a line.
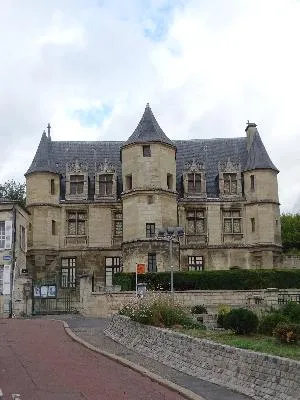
170 233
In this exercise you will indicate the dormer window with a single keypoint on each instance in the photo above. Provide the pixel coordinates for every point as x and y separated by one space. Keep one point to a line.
105 181
76 181
194 180
147 151
106 184
76 184
194 183
230 179
230 183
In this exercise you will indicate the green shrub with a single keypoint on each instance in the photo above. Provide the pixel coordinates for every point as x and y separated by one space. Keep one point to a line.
199 309
160 310
287 332
223 310
268 322
213 280
241 321
292 311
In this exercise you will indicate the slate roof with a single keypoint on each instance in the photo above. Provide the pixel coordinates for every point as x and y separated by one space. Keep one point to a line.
148 130
52 156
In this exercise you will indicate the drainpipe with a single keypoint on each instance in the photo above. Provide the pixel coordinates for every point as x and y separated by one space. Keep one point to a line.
12 270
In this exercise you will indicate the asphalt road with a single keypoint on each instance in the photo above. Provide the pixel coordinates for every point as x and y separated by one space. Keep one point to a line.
38 361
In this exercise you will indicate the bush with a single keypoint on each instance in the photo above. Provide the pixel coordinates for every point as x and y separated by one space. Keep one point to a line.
159 311
199 309
292 311
287 332
268 322
223 310
241 321
213 280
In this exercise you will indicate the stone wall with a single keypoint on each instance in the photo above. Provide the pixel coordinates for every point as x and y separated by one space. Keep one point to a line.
290 262
257 375
102 304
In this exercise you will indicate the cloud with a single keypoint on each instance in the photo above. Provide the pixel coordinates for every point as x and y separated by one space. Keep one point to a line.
205 67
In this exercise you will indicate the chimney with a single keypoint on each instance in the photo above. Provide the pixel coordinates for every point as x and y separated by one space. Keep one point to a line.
250 130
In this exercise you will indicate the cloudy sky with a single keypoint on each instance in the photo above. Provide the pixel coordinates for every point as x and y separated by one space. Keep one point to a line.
206 66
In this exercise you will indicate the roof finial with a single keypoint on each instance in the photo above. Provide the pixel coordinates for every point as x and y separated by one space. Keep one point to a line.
49 128
147 105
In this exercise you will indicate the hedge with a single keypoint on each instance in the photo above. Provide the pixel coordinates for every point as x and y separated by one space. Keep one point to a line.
212 280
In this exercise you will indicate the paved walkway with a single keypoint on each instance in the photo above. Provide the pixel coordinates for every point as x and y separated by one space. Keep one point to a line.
91 330
39 361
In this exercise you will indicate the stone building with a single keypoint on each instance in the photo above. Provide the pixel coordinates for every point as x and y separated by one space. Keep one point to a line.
13 272
97 207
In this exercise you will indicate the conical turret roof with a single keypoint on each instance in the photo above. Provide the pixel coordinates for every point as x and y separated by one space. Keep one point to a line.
43 161
148 131
258 157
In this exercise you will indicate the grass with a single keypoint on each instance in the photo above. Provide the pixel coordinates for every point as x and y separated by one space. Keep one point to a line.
255 342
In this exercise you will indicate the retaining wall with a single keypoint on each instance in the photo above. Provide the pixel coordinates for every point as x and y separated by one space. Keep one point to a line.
257 375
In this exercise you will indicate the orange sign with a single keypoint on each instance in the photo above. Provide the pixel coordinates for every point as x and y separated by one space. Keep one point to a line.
140 268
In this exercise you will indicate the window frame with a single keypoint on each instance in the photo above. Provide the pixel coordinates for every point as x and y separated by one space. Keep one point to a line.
128 181
230 177
195 264
232 218
252 183
150 229
22 237
196 218
252 224
196 186
52 186
117 218
104 182
76 220
75 181
146 150
116 266
152 262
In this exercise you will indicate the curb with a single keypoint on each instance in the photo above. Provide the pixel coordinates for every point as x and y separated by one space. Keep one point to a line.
186 393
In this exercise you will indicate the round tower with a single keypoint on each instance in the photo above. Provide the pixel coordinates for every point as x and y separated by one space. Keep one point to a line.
262 206
149 195
42 198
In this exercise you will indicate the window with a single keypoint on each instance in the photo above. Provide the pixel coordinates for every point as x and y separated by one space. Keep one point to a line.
1 279
232 222
22 238
230 183
150 230
76 223
112 265
252 183
152 267
53 227
195 222
150 199
2 234
105 184
195 263
52 186
68 273
194 183
118 224
128 182
170 181
146 151
253 224
76 184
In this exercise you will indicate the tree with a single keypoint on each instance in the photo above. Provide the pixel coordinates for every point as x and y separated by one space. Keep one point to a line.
13 190
290 232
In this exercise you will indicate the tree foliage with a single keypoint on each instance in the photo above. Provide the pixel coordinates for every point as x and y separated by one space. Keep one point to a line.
12 190
290 232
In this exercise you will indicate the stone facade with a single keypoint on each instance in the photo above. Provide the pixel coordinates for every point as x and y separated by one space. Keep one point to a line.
14 299
98 207
260 376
